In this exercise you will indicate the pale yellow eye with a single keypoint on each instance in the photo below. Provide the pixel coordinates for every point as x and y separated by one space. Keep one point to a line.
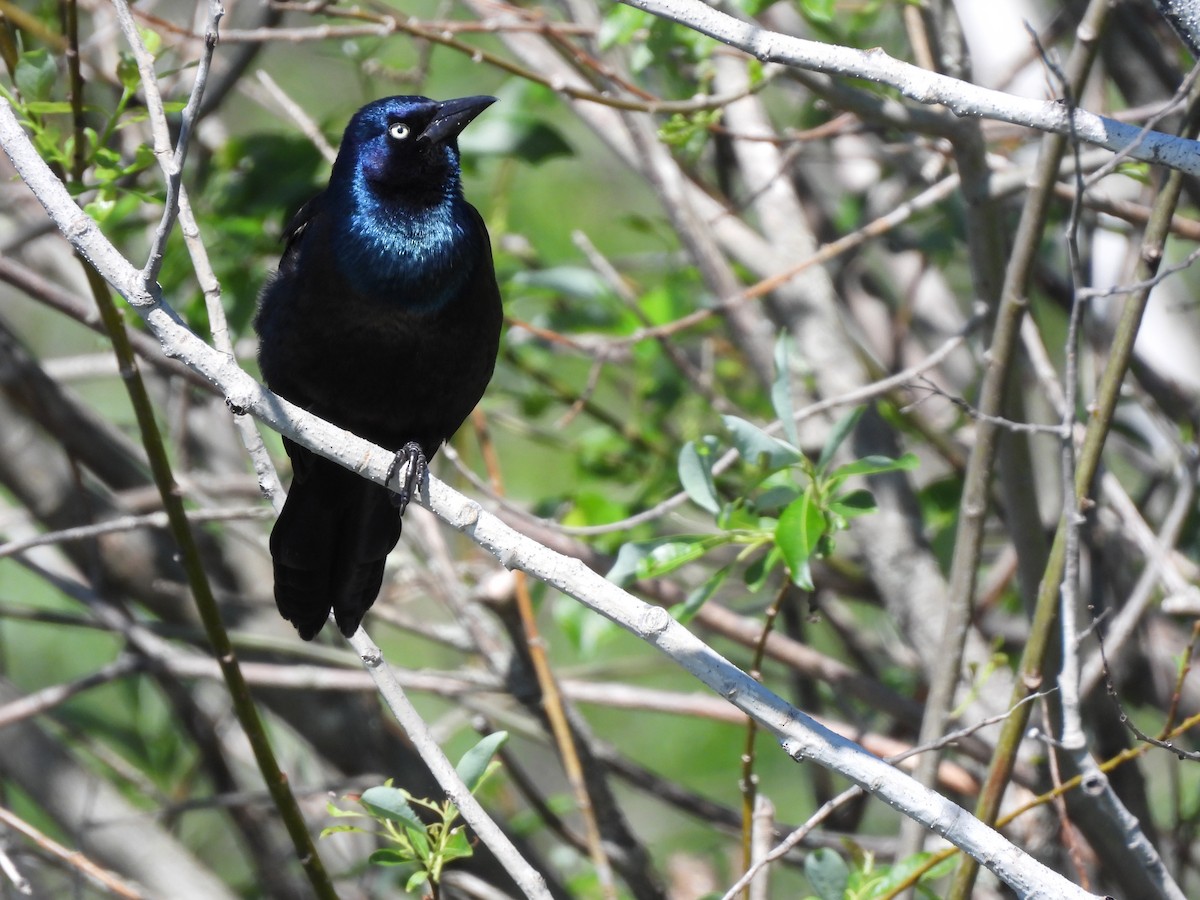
398 131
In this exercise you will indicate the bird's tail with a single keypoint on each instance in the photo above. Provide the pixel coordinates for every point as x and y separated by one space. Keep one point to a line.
329 545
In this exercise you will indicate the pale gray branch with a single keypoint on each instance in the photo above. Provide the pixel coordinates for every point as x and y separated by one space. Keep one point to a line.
924 86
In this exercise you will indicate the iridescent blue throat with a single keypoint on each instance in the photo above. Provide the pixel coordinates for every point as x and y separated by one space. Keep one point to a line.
417 258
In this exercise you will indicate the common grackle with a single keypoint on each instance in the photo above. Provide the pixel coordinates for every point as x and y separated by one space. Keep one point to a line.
384 318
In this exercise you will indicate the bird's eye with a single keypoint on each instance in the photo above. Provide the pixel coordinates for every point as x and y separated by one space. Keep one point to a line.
398 131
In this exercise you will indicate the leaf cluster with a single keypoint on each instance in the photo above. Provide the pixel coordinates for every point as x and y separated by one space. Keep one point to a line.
411 840
87 157
785 514
832 879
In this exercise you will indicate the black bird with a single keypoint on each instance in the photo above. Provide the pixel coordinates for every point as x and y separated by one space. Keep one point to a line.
384 318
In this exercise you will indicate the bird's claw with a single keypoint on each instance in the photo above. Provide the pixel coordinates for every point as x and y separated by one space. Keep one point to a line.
417 467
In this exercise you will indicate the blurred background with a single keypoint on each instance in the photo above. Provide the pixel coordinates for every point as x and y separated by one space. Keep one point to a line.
694 247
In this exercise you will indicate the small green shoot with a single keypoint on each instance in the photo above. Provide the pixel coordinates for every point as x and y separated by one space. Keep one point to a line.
426 843
36 95
831 878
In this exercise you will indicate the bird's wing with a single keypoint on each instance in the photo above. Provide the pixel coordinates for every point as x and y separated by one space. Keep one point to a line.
294 230
485 272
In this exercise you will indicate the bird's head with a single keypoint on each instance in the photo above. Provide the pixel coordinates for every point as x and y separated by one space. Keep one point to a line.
406 148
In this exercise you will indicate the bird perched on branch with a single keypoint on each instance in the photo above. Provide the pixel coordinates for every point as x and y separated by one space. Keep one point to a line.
384 318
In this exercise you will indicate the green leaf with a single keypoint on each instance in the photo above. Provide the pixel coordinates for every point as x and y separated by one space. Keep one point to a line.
620 24
855 503
801 527
390 803
775 497
940 870
457 846
48 107
669 555
35 75
689 132
819 11
390 856
100 209
684 611
338 813
641 58
143 157
474 763
127 71
874 465
594 507
781 388
625 567
420 843
739 516
903 870
838 436
339 829
695 474
513 131
759 448
47 140
827 873
415 880
151 39
757 572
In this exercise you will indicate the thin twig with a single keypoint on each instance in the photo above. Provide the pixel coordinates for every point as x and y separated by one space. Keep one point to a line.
47 698
976 415
749 780
297 116
19 882
73 858
830 806
170 162
527 878
130 523
1161 742
179 206
385 25
552 703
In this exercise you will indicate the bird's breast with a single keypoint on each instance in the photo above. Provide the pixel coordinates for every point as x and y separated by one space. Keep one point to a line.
415 260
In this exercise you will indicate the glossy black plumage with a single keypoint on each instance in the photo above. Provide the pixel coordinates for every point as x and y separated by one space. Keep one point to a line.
384 318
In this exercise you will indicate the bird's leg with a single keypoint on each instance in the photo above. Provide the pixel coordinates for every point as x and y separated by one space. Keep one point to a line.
417 468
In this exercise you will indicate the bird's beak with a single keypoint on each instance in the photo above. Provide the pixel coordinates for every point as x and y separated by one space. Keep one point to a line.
452 117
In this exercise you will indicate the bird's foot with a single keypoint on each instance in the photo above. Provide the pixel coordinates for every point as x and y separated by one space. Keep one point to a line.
417 468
